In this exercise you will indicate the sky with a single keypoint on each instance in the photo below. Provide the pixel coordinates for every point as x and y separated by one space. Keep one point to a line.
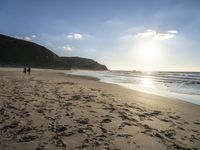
122 34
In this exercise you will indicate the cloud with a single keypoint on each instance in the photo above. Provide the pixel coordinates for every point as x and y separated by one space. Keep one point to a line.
65 47
75 36
26 38
148 33
163 36
33 36
151 34
127 37
85 35
173 31
49 44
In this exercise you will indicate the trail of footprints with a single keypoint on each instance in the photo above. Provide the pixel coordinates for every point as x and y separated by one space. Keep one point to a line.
90 114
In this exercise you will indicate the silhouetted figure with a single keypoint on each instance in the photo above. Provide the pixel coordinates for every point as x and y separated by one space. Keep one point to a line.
29 70
24 70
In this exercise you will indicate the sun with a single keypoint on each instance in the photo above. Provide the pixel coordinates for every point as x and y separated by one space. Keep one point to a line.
148 51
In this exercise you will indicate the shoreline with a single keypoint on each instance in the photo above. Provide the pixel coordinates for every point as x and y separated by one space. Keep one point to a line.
172 96
53 111
82 77
140 92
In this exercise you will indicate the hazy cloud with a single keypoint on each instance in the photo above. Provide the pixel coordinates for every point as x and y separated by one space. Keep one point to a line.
75 36
26 38
33 36
148 33
156 35
49 44
151 34
127 37
163 36
65 47
173 31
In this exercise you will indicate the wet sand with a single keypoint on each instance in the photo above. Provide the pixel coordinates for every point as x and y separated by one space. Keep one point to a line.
49 110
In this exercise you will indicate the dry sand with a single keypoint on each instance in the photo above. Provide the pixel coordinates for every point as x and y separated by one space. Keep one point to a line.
49 110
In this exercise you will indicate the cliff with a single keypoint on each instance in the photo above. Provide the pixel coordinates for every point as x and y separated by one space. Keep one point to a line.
18 53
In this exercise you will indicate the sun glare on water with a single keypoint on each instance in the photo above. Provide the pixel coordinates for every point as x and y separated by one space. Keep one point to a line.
146 82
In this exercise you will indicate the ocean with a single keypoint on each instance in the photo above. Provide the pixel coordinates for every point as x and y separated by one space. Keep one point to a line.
180 85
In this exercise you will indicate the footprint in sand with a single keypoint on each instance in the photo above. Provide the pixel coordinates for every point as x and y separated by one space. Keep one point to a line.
83 121
107 120
124 124
40 147
75 97
170 133
58 142
196 122
26 138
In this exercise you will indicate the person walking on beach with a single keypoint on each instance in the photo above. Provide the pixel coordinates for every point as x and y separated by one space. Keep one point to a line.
24 70
29 70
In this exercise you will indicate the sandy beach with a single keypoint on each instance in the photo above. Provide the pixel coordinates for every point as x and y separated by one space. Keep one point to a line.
48 110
